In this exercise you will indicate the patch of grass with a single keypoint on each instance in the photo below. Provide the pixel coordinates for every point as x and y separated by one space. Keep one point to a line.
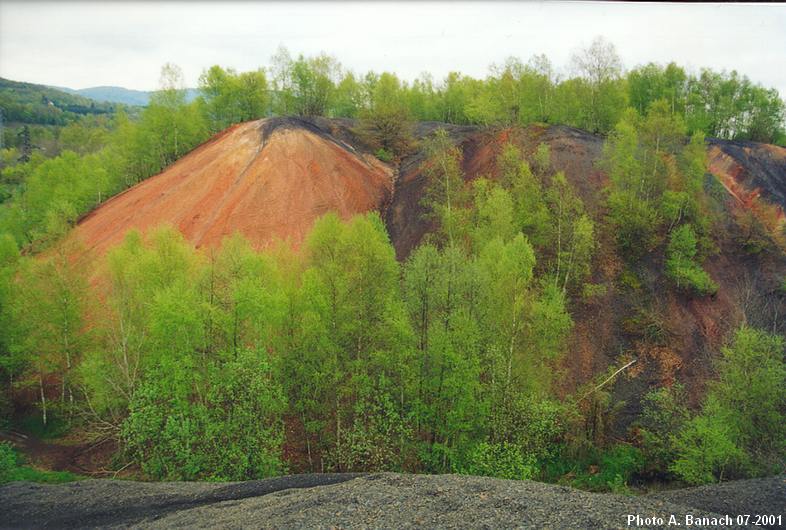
47 477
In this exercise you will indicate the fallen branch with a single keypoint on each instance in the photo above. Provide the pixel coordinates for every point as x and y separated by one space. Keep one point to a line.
612 376
121 469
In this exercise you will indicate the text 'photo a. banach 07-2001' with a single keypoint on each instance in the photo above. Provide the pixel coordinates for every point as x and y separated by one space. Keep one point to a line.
322 264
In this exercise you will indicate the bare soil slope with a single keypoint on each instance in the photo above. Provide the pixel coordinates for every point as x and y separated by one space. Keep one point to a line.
749 170
266 179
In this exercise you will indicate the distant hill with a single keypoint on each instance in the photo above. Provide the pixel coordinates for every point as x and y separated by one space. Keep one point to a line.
44 105
112 94
116 94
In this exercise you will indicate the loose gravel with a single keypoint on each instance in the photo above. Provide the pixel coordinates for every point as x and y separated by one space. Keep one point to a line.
383 500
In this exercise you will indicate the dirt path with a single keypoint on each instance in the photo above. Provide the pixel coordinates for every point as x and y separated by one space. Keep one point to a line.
83 458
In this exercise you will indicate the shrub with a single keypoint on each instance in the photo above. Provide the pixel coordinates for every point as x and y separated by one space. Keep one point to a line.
7 462
500 460
680 265
741 430
233 432
707 451
664 415
596 470
387 127
619 464
594 290
635 223
377 441
384 155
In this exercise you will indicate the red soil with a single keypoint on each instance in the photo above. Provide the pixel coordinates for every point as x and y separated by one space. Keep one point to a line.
267 179
737 166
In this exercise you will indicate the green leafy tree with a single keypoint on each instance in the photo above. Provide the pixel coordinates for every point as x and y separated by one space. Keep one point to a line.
231 97
360 331
234 432
740 429
386 124
664 415
531 214
47 329
448 407
445 194
681 266
603 93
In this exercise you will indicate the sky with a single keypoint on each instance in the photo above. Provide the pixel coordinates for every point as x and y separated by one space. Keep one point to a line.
84 44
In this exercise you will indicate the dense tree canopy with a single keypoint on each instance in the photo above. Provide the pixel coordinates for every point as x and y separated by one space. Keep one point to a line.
203 363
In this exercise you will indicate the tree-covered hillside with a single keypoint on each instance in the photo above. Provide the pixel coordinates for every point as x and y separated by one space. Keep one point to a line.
256 358
38 104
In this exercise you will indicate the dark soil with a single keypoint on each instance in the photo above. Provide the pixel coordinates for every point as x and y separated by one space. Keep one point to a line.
83 458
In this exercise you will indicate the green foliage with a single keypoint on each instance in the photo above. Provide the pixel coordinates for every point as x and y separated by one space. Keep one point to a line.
600 87
7 462
707 450
386 124
30 103
168 127
447 363
304 86
56 426
384 155
681 266
542 159
499 460
728 105
740 430
751 388
664 415
357 333
232 431
597 470
448 407
444 195
230 97
593 290
530 214
49 195
379 439
652 82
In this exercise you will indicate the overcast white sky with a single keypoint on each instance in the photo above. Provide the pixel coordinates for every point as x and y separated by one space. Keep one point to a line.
125 43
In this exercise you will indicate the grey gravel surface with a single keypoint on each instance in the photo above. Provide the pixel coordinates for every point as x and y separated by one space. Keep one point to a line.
384 500
121 503
758 496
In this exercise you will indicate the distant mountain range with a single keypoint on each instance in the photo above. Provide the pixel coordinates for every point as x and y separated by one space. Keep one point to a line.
116 94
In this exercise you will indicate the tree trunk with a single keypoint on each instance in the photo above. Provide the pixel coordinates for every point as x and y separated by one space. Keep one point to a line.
43 398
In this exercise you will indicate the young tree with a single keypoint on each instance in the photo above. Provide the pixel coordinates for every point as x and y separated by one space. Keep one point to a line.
530 214
604 95
230 97
445 192
359 325
680 265
47 326
168 128
386 125
313 84
740 430
449 406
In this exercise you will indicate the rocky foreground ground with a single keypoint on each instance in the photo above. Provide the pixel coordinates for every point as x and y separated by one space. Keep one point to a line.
378 501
